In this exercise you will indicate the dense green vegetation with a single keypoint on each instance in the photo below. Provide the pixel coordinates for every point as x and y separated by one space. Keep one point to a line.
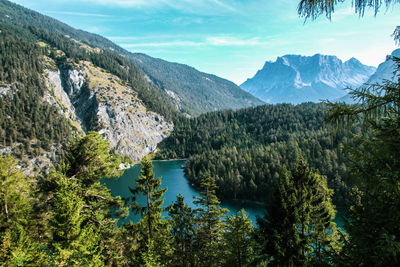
375 165
25 118
298 228
245 150
63 219
69 218
28 123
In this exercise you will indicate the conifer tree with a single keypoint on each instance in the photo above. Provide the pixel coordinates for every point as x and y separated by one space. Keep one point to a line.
298 228
153 230
239 244
278 234
74 242
150 188
17 247
374 231
326 238
83 231
210 225
182 221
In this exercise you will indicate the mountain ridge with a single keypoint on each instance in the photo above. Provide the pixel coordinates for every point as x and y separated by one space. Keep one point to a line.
194 99
295 78
384 72
168 76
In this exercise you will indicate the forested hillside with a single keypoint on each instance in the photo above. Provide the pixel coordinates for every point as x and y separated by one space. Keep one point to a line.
195 92
245 151
27 123
191 92
35 119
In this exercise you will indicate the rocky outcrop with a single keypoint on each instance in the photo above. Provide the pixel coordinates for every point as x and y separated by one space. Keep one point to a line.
56 95
95 100
5 89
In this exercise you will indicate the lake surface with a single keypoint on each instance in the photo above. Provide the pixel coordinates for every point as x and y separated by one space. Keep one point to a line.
174 179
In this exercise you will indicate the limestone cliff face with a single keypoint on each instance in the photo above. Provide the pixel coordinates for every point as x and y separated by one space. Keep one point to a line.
95 100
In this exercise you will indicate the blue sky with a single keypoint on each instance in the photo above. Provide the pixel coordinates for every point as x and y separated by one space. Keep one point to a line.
229 38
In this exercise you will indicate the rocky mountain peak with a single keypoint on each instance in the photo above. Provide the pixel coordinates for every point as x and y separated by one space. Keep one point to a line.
296 78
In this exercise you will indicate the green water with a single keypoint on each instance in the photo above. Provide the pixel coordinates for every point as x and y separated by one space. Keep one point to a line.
174 179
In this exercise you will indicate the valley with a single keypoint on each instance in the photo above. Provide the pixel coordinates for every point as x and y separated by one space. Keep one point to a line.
297 166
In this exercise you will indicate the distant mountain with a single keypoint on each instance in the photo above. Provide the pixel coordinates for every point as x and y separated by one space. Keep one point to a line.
385 71
190 91
195 92
296 79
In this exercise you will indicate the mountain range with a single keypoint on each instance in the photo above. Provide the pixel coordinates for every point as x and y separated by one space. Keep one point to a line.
190 91
296 79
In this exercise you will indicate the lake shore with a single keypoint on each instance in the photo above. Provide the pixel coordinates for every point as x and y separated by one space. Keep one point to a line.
164 160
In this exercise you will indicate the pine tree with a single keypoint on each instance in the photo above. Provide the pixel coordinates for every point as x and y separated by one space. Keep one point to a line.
17 246
278 234
83 233
210 227
239 244
325 238
183 232
374 231
150 188
152 228
297 228
89 159
74 243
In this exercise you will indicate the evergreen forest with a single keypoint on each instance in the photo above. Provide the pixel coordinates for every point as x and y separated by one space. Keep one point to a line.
246 150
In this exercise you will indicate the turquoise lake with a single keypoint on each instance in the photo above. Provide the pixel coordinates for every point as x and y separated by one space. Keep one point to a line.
174 179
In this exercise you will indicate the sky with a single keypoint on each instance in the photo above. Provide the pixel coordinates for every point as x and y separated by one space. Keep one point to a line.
229 38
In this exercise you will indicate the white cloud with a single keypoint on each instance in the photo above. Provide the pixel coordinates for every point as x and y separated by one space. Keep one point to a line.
163 44
148 41
81 14
232 41
189 6
127 3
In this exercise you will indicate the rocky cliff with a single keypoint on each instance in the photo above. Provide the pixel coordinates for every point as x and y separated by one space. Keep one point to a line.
94 100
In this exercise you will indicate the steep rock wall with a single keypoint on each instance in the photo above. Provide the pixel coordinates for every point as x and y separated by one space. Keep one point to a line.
95 100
